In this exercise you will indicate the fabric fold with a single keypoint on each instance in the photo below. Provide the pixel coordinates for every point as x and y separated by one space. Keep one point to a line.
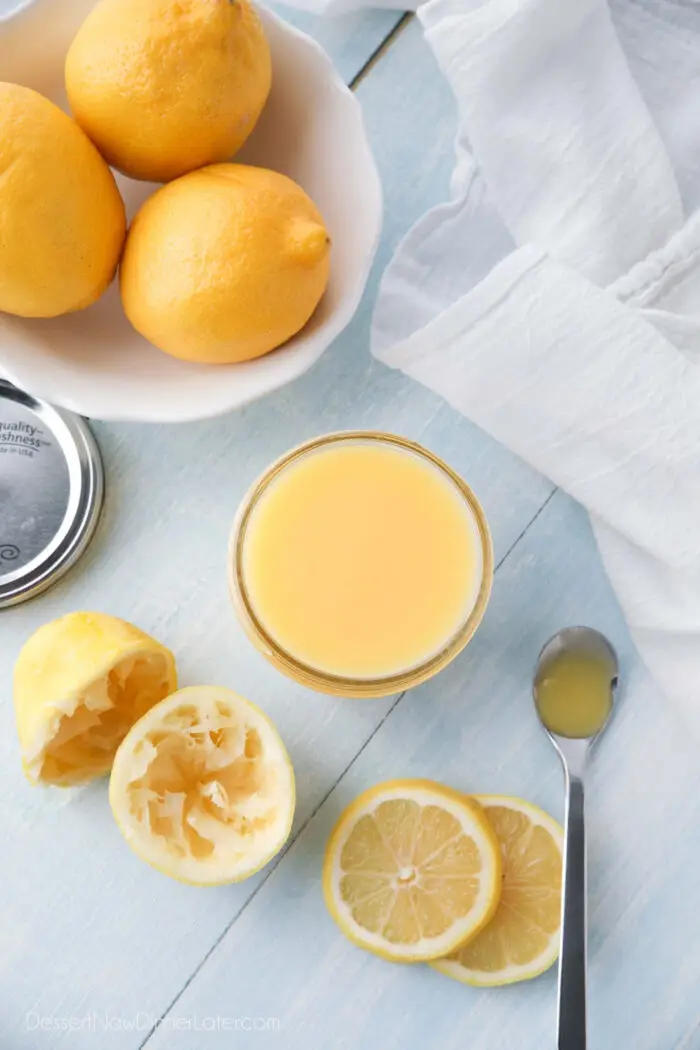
559 128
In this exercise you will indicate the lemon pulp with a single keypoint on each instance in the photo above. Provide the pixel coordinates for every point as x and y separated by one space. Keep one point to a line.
85 740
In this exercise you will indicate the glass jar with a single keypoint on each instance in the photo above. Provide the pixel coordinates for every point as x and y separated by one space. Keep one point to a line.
316 677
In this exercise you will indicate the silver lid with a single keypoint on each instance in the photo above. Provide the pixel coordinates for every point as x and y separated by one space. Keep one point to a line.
51 491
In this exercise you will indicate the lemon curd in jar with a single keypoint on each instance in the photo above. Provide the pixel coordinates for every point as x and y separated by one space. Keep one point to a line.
360 564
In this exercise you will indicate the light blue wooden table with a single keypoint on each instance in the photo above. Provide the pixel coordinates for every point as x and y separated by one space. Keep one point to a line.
98 951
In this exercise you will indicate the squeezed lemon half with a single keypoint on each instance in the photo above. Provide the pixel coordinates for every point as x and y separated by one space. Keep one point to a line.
80 682
522 939
412 870
202 787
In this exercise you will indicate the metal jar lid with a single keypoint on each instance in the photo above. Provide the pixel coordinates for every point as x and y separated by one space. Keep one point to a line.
51 492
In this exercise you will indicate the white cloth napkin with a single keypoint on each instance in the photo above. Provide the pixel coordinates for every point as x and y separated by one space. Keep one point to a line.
556 299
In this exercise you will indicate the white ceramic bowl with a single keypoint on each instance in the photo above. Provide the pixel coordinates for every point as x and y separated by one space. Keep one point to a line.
311 129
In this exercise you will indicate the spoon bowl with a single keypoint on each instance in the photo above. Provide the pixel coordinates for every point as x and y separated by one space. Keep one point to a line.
574 689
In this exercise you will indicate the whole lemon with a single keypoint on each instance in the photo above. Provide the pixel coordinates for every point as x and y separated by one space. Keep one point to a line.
62 222
166 86
224 264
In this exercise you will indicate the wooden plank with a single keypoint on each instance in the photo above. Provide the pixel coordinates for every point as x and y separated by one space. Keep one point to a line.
88 931
285 975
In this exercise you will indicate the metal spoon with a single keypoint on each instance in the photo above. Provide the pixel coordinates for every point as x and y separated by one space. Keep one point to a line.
579 644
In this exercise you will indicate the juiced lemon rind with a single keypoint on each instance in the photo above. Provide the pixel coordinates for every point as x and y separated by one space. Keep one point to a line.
202 787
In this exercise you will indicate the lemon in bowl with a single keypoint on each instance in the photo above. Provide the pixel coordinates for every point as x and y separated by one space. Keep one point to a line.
224 264
164 88
62 222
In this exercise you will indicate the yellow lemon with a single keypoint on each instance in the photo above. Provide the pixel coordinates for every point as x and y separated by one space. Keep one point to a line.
412 870
224 264
62 222
522 939
202 787
166 86
79 684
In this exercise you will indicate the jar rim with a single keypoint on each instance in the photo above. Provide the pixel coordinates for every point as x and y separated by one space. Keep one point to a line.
316 678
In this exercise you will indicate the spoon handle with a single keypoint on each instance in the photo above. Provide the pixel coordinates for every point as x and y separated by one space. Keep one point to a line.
572 962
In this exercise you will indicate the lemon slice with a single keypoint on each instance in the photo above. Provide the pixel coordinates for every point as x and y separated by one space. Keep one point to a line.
202 787
79 684
522 939
412 869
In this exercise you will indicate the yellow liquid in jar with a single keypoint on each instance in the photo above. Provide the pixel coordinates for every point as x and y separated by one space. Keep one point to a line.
362 559
574 694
